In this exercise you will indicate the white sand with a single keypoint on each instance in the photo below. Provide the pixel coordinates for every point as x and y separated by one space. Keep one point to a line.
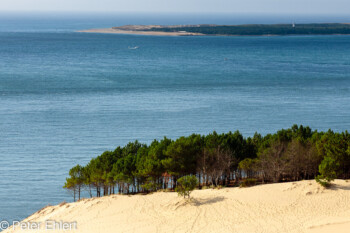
300 207
149 33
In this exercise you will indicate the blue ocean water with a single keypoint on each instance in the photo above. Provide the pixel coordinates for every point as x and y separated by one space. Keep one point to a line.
66 97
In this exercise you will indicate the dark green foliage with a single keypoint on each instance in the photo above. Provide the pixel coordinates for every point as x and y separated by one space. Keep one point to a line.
216 160
181 155
328 171
263 29
75 180
185 185
248 182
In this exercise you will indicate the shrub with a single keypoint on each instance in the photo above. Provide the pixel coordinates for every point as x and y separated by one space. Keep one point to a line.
322 182
248 182
328 171
185 185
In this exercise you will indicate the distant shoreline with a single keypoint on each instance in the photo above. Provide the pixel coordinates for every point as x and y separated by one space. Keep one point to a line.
228 30
146 33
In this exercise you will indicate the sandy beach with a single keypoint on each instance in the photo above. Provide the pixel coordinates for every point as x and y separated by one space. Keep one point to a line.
149 33
293 207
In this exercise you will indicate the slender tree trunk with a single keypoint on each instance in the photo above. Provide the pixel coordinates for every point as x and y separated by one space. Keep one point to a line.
174 184
90 192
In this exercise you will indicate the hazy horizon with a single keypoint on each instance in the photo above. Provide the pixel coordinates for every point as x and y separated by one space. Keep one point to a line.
71 21
252 16
182 6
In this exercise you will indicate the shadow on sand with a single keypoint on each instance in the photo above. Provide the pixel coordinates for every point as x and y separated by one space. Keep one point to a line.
339 187
197 201
207 201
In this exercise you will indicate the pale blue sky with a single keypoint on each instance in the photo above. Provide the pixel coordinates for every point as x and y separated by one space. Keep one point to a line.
200 6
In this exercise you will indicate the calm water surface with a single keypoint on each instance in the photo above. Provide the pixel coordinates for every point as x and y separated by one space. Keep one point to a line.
66 97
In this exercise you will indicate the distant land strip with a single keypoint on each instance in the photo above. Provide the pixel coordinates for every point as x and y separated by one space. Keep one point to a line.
230 30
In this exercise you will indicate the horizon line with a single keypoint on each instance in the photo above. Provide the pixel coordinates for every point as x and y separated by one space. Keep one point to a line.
176 12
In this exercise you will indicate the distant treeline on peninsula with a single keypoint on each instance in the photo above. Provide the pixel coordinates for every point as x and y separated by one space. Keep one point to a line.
215 159
259 29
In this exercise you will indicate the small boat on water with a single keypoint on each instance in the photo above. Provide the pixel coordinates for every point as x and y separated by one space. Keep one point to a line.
135 47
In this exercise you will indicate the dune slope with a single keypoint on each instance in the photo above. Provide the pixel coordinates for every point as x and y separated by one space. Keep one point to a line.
286 207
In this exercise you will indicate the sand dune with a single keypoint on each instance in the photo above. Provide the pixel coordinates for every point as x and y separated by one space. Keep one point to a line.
286 207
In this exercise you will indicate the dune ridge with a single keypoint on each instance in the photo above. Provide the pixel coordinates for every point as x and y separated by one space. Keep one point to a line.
293 207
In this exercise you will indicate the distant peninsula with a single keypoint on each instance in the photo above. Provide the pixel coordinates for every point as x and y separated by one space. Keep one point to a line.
230 30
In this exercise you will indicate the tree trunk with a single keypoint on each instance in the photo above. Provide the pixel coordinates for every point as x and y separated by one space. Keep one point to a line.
90 192
174 182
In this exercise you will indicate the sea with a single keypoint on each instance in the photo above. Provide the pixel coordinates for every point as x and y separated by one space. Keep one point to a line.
66 96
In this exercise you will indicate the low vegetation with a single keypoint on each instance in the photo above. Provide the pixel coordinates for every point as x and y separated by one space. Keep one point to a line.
262 29
328 171
215 160
185 185
248 182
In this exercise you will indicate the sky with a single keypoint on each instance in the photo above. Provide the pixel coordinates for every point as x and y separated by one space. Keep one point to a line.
330 7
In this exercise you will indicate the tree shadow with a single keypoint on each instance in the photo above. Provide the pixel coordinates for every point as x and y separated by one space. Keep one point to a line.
207 201
340 187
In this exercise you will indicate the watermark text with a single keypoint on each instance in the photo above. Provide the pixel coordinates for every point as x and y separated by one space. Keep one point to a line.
48 225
